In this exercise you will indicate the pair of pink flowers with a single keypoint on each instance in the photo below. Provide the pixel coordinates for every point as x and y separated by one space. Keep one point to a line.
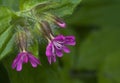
55 48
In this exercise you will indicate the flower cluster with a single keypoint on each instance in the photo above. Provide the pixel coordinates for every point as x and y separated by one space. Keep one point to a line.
55 48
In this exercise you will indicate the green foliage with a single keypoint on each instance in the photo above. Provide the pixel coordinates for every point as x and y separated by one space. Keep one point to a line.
97 12
6 36
3 74
11 4
97 46
94 59
5 18
110 71
10 20
57 7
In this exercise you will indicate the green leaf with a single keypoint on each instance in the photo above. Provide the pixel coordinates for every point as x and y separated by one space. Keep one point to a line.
58 7
97 12
7 41
96 47
110 70
34 48
5 18
6 34
12 4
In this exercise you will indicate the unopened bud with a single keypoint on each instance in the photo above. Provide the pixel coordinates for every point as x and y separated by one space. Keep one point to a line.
46 30
59 22
22 40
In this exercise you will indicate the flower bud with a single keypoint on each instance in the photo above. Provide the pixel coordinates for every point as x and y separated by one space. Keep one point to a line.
46 30
59 22
22 40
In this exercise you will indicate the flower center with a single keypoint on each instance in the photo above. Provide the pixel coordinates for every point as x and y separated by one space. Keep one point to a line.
58 45
24 58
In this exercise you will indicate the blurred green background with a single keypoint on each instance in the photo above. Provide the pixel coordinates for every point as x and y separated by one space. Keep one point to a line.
94 59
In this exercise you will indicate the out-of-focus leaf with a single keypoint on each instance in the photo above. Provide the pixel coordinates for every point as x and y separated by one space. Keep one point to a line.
58 7
110 70
97 12
3 74
96 47
6 34
12 4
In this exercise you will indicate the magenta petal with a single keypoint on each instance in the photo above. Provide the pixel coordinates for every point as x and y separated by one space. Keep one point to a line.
33 59
62 24
49 50
14 64
54 59
66 49
16 60
59 38
25 59
19 66
59 53
70 40
49 59
34 64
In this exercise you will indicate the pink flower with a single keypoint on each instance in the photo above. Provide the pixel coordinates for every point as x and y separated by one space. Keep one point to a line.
57 46
24 57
